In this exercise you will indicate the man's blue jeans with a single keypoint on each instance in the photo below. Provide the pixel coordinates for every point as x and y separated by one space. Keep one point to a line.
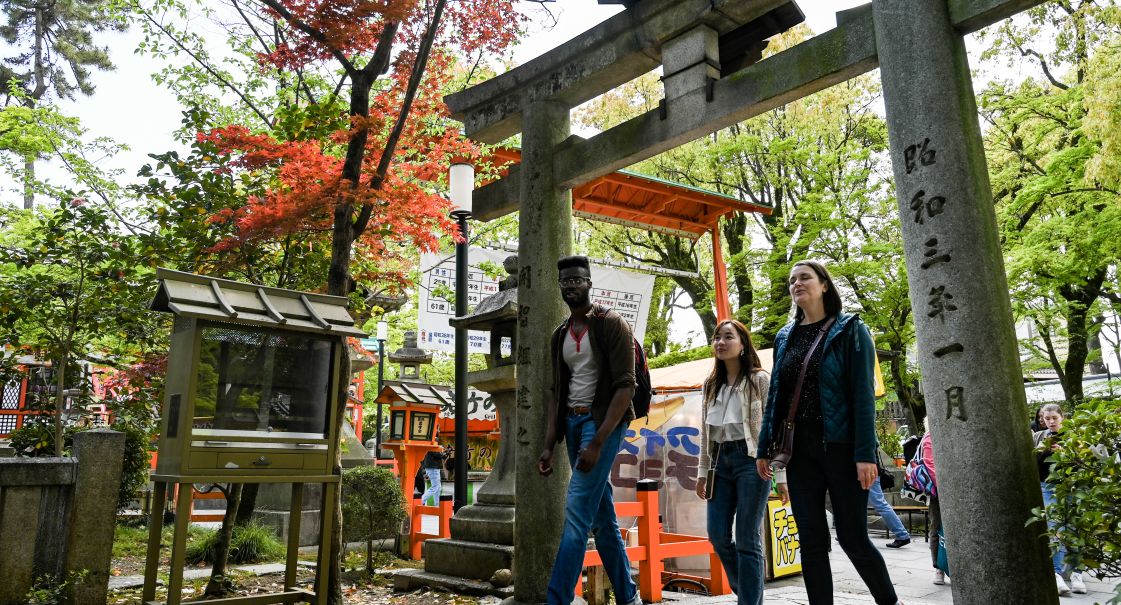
741 493
433 491
883 509
589 506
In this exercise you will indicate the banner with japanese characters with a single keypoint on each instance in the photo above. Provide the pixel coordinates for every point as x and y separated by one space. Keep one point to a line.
666 447
625 291
784 553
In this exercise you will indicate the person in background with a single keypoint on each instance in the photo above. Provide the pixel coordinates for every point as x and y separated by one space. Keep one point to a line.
1047 443
835 447
433 464
731 416
1037 424
894 524
934 510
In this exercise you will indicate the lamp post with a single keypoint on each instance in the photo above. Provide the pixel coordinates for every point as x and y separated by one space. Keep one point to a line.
383 335
461 182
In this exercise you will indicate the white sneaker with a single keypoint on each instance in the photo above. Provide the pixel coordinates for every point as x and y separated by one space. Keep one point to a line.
939 577
1064 590
1077 586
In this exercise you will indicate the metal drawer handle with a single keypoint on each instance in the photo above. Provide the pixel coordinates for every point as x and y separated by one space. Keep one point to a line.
262 461
209 442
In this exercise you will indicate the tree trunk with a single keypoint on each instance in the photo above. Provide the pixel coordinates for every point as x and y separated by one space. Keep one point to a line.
912 398
1079 298
219 584
60 402
735 235
1097 365
29 183
248 504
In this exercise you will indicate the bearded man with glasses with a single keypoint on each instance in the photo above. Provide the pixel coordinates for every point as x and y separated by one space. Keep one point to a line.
590 405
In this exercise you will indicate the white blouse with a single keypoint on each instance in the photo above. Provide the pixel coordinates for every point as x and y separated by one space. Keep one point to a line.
725 416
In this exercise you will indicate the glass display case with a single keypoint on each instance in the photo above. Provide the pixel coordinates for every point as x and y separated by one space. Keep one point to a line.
252 384
252 380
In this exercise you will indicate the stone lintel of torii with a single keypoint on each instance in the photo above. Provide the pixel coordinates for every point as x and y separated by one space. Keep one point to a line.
968 354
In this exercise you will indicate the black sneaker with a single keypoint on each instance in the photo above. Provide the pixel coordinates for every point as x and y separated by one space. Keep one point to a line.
898 543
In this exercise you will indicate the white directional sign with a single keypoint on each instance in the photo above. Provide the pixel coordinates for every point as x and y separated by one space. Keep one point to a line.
625 291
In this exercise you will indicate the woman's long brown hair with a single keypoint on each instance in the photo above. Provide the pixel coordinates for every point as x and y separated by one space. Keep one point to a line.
749 362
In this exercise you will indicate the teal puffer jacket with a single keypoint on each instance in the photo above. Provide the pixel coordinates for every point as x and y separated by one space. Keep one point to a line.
847 382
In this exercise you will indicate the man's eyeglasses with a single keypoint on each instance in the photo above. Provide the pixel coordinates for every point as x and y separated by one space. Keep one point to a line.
568 282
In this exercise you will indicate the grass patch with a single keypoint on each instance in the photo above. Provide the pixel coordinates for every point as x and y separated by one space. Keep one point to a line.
131 541
251 543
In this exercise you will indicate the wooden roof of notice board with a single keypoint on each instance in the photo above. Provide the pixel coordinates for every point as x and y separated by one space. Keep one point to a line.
210 298
646 202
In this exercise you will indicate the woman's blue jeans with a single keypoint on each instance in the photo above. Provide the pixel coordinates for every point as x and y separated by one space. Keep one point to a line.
589 506
741 494
433 491
1058 560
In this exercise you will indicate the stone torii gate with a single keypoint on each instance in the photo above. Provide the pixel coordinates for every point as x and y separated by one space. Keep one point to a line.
967 351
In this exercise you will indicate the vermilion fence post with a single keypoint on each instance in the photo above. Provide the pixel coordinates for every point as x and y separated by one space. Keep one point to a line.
649 536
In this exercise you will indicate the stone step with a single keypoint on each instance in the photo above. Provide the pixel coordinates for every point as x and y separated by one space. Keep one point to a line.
412 579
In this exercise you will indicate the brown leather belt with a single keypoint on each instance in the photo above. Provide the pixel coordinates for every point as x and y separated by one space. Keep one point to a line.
579 410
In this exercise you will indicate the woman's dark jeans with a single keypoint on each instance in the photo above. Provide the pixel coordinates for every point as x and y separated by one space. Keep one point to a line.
814 469
740 494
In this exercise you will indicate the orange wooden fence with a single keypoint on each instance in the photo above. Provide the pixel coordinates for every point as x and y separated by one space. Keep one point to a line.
655 546
416 537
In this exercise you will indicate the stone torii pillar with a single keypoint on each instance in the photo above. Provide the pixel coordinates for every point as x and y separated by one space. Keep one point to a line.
967 341
547 223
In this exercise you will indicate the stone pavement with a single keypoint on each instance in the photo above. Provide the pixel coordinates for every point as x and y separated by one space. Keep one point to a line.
910 571
909 566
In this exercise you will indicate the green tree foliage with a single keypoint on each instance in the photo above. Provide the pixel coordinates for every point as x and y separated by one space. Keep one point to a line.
71 282
1087 479
373 506
1060 225
53 52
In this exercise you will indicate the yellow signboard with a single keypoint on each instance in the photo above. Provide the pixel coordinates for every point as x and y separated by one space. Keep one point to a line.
784 548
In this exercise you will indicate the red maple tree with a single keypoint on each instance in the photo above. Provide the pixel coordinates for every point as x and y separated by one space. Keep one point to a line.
374 186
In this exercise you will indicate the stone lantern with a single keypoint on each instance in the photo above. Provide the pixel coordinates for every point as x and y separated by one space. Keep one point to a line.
483 533
410 357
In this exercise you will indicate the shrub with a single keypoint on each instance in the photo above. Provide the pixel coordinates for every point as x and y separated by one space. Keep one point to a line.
36 438
49 591
373 506
1087 479
251 543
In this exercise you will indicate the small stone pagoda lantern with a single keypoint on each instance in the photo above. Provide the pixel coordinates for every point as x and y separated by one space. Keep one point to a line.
410 357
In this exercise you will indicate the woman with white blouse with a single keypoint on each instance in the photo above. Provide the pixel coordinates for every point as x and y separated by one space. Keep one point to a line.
732 414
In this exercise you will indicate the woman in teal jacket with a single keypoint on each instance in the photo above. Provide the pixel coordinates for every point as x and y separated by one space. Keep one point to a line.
835 444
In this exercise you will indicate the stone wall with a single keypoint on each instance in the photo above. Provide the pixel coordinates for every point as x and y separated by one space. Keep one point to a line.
57 517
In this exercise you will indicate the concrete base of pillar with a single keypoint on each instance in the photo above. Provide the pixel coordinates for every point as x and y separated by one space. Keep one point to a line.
412 579
467 560
278 521
486 523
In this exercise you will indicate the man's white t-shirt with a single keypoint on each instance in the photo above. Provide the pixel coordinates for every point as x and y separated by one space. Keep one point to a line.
577 352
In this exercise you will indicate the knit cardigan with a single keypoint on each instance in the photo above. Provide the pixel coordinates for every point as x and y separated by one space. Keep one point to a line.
752 399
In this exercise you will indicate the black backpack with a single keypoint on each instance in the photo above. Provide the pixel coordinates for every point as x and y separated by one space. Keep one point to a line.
640 401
